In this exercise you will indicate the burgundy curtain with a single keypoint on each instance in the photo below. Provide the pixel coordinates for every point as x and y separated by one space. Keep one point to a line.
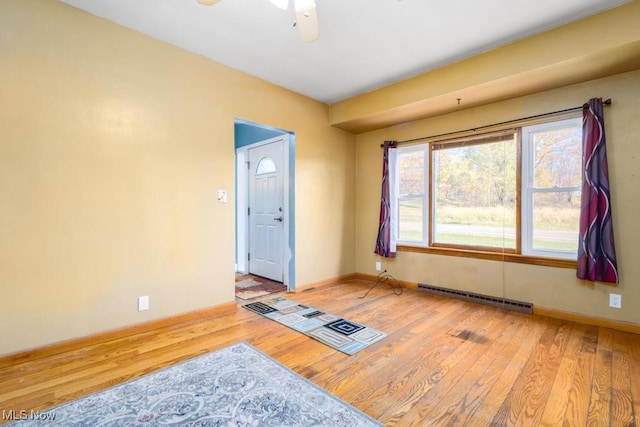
383 242
596 250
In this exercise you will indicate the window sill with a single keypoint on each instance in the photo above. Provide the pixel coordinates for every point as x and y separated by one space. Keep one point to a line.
508 257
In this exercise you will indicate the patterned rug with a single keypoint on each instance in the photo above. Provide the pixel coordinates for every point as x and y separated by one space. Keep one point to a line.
235 386
334 331
249 286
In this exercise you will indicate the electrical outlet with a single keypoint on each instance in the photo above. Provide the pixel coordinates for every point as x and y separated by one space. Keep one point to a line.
615 300
143 303
378 266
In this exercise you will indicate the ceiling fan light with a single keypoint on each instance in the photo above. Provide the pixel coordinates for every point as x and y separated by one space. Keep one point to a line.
282 4
208 2
305 5
307 24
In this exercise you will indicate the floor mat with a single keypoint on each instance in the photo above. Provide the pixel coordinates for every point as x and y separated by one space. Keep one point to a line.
342 334
249 286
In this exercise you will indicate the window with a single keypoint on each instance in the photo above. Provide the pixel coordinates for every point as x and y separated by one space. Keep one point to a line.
516 191
474 191
411 186
266 165
551 187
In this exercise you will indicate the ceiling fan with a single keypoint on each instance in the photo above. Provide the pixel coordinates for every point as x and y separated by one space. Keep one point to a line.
306 17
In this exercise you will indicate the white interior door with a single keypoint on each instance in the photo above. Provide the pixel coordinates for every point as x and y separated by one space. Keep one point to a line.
266 210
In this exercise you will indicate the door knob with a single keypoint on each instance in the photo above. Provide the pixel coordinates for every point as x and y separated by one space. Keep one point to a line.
278 219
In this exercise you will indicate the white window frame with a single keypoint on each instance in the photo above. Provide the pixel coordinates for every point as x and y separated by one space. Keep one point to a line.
528 190
394 184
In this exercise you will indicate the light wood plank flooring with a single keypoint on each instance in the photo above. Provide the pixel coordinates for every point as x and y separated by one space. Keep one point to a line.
445 362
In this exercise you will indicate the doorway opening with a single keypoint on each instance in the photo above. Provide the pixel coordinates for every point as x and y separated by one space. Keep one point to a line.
265 209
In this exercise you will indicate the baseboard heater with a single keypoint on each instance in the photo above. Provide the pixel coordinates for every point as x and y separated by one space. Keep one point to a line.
524 307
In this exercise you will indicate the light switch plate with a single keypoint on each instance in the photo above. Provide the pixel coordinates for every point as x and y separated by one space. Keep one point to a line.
222 196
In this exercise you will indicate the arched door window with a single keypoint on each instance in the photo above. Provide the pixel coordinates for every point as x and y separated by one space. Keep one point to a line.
265 165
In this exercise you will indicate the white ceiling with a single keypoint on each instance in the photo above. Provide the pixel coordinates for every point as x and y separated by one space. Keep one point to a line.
363 45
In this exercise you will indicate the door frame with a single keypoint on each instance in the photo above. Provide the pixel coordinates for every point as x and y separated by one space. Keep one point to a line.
242 203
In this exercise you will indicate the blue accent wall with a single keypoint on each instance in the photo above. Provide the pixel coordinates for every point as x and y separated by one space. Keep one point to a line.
247 133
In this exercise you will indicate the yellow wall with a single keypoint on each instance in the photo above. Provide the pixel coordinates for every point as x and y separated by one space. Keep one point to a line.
112 148
553 288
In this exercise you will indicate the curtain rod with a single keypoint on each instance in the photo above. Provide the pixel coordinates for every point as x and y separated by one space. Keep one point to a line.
606 102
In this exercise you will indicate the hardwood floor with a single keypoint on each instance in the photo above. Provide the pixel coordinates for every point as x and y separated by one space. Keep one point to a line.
445 362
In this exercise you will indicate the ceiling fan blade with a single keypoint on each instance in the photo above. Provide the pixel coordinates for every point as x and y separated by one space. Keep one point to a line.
208 2
307 23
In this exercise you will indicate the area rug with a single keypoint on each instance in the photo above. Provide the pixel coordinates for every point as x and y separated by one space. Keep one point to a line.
342 334
235 386
249 286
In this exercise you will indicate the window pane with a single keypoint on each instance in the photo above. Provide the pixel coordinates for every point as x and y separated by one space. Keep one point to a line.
411 220
266 165
474 190
555 154
411 172
551 183
555 221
